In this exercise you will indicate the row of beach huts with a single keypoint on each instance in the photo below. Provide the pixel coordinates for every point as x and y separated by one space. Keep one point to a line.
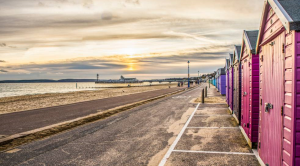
261 81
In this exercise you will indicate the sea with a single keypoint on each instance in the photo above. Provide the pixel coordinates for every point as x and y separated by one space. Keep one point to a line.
20 89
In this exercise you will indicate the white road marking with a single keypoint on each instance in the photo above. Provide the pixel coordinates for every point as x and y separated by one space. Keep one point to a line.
211 115
13 151
181 97
167 155
212 127
212 152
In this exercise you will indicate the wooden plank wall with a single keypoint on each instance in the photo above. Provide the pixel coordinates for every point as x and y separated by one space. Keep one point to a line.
254 99
296 47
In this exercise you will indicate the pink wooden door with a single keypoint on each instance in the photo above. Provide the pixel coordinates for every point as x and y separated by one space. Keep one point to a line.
273 92
246 97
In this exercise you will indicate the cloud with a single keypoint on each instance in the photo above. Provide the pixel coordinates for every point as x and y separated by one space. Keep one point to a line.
160 38
135 2
41 4
3 71
130 36
87 3
79 64
106 16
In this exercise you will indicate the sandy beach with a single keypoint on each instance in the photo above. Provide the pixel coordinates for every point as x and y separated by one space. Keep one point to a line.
29 102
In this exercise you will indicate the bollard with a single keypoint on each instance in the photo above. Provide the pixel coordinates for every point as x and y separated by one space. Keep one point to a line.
202 96
206 91
209 84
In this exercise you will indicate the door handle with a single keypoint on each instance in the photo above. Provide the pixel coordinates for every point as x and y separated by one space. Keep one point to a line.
245 93
268 107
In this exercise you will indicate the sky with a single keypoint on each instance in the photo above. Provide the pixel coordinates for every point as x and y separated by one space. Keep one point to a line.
146 39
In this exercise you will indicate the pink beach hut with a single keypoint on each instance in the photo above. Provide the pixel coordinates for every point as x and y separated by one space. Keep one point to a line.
279 51
237 83
250 87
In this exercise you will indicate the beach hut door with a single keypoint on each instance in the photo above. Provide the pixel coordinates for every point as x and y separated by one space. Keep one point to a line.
273 98
246 97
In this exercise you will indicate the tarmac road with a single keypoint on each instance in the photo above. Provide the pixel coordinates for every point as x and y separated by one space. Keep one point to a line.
18 122
136 137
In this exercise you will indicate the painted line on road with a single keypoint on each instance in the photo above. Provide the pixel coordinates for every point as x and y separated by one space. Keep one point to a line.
212 127
213 152
210 115
167 155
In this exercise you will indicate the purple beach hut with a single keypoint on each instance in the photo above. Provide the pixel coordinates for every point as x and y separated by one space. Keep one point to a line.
222 81
279 51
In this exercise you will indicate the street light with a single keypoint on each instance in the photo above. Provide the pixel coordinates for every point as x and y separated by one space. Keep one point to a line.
188 74
198 78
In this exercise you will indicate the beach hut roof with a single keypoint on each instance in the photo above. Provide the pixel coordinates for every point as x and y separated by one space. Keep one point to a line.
249 41
230 60
217 73
292 8
226 64
287 11
236 54
221 71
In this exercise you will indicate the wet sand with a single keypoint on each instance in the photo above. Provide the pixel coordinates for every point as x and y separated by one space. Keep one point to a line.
29 102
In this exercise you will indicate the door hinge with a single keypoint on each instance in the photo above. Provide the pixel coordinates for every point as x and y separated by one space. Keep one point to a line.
283 49
282 111
259 145
248 125
262 58
260 101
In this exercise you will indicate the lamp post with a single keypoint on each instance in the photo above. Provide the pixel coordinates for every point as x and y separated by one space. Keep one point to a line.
188 74
198 78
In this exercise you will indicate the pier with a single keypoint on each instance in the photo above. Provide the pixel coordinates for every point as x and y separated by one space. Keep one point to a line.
124 80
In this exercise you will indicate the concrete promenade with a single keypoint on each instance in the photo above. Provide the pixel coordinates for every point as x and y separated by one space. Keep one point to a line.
211 136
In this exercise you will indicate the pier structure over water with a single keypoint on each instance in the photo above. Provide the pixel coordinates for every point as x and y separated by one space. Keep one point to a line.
134 80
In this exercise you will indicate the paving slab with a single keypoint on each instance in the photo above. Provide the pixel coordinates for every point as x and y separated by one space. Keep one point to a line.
213 112
200 159
213 121
219 140
212 106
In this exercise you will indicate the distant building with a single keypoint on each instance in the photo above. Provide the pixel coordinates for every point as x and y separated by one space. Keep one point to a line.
123 79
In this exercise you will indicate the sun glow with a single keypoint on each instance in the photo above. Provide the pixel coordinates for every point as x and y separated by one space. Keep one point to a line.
128 51
131 67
